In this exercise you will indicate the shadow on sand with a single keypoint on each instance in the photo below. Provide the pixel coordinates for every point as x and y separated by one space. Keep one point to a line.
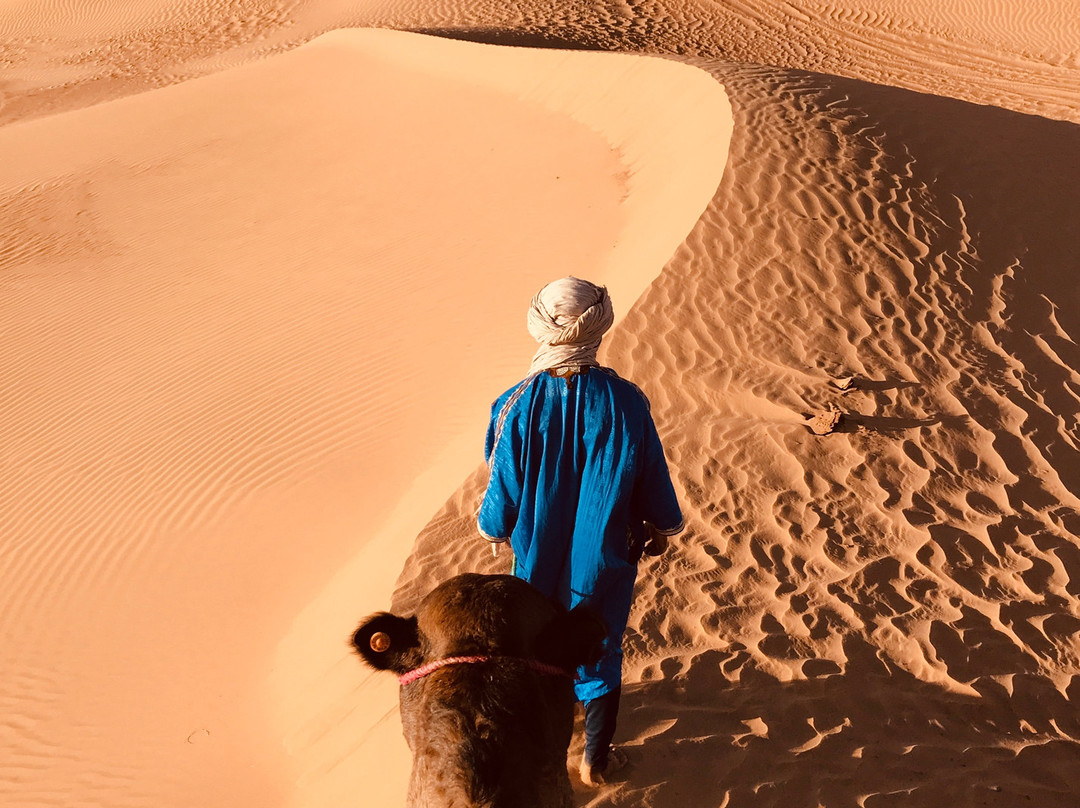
853 422
546 38
871 736
1016 176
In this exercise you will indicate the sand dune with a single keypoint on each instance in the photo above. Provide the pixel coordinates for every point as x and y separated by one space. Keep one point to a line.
243 316
210 403
888 613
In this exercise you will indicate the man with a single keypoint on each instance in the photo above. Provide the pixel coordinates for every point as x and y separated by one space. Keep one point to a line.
578 484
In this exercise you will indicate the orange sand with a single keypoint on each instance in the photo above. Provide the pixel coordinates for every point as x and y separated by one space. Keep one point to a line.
256 295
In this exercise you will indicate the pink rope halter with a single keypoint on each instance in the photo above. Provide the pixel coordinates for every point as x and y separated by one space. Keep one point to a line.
431 667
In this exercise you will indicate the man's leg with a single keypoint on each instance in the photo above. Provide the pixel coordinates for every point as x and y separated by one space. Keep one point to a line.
600 717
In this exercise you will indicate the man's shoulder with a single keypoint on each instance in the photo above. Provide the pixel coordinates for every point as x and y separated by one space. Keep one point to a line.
624 389
513 393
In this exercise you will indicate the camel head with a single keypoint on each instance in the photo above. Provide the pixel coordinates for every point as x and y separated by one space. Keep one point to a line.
486 670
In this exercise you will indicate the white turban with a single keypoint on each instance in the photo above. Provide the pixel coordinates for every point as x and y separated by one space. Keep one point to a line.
568 317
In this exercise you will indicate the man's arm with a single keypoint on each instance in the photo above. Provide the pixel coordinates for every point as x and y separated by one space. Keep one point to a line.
654 500
502 497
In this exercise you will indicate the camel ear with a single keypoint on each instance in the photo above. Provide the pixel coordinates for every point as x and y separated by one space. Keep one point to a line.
388 642
572 639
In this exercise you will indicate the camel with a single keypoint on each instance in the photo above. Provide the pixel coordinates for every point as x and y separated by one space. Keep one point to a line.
487 703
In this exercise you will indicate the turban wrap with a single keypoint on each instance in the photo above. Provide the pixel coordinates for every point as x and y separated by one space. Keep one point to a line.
568 317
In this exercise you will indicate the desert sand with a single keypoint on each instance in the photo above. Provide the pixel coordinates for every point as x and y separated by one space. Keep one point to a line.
264 266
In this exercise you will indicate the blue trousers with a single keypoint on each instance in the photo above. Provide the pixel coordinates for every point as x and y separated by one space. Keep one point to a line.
600 715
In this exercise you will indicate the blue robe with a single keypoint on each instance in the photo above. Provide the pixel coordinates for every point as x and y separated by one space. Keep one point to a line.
573 461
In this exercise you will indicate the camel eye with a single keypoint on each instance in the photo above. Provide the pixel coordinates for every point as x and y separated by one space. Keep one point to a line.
380 642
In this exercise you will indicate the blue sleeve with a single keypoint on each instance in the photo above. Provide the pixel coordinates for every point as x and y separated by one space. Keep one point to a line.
499 508
489 441
654 499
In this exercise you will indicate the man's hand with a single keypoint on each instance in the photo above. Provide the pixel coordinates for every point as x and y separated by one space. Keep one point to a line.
657 543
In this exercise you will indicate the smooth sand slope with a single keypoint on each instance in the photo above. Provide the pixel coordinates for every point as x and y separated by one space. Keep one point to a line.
249 326
885 616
